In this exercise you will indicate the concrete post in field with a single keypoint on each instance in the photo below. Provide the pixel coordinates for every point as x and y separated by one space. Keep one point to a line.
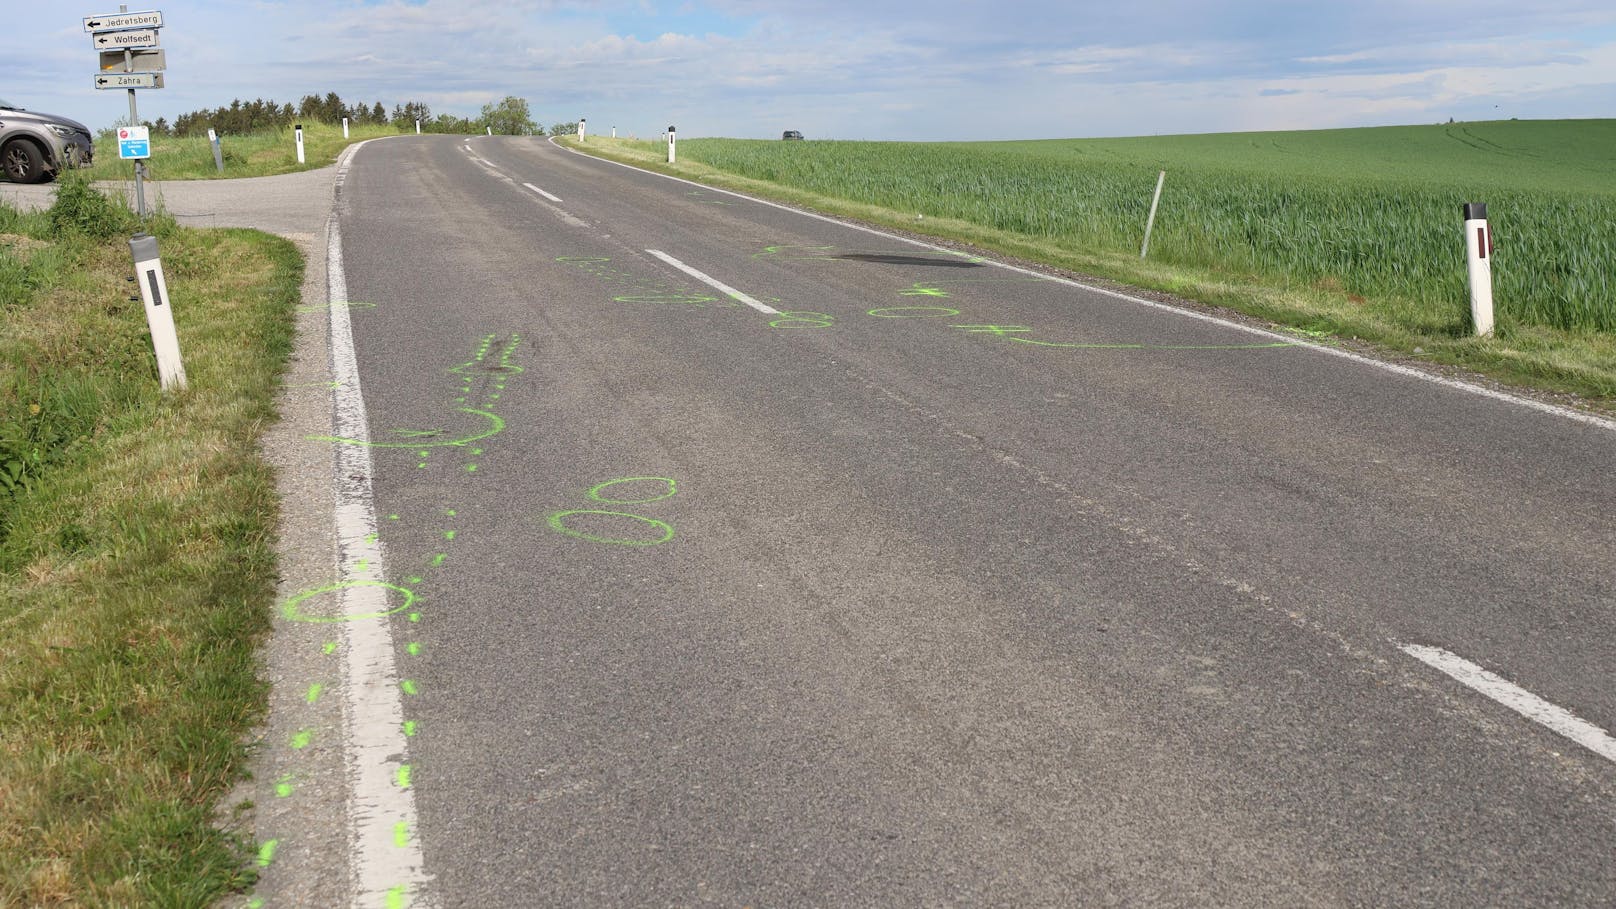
159 312
672 141
417 127
1479 252
583 128
218 153
1150 223
344 127
298 130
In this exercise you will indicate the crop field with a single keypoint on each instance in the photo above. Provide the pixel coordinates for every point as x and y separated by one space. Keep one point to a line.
1373 214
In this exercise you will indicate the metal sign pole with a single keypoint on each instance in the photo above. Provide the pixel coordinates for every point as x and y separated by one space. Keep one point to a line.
134 120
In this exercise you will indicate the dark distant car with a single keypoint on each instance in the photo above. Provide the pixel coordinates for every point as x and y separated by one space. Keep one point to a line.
791 134
35 147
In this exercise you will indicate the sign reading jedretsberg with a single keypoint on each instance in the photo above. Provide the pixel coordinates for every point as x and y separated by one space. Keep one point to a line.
117 22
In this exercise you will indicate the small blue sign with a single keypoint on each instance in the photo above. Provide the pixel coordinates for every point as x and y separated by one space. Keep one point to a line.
134 142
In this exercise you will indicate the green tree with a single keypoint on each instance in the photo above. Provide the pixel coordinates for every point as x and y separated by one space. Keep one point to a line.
565 129
509 117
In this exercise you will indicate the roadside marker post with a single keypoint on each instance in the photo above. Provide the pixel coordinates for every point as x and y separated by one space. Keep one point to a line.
614 132
583 127
417 127
1478 252
344 127
1150 223
490 130
298 131
670 145
218 153
159 310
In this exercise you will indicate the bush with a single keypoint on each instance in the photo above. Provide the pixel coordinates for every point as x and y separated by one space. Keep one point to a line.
80 209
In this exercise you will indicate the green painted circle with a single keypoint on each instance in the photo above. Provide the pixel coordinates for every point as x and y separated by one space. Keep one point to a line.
290 608
919 312
558 523
595 493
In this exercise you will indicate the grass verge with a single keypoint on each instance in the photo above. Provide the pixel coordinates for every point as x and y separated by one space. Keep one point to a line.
260 154
1579 364
136 554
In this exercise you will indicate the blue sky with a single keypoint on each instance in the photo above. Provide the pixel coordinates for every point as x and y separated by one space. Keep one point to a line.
900 69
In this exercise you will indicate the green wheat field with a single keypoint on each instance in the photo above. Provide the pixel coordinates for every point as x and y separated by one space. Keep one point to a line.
1373 213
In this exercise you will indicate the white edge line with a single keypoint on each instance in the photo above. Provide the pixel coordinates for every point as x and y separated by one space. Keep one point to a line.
1517 699
715 283
541 192
1543 407
378 809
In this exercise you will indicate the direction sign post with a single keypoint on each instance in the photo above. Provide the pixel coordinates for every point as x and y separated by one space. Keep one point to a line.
130 59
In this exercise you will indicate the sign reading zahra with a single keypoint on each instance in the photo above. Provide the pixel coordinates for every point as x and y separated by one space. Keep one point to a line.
129 80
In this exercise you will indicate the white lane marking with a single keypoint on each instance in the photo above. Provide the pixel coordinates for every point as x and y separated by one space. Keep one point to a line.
715 283
541 192
1543 407
384 851
1517 699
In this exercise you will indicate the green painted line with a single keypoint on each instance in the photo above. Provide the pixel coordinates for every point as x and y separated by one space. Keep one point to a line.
266 853
415 580
558 523
670 488
495 426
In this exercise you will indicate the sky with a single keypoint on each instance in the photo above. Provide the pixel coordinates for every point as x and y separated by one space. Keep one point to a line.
857 69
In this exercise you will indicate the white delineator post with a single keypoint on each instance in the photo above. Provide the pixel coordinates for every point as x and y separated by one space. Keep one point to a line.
1150 223
344 127
490 130
418 127
159 311
1478 252
583 127
614 132
672 141
298 130
218 153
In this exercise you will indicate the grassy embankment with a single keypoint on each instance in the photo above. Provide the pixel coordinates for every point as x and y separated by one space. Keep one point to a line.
259 154
136 553
1347 233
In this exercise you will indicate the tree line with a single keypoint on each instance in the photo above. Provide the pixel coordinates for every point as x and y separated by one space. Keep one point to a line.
508 116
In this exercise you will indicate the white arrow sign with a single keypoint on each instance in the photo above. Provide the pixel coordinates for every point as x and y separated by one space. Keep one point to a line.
117 22
129 80
140 37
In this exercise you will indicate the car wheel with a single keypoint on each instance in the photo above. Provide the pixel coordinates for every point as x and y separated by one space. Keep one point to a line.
22 162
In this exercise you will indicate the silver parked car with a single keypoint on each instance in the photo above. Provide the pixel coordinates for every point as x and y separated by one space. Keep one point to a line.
35 147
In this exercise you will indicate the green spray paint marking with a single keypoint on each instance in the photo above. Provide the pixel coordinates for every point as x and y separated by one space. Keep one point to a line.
397 895
322 307
266 853
495 427
803 320
415 617
409 728
414 581
257 903
402 778
283 786
314 693
558 523
413 648
923 290
449 535
995 330
439 559
301 739
401 834
408 687
669 490
292 612
913 312
330 647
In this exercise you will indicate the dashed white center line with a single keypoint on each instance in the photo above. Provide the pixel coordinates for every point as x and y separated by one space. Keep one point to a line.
1517 699
541 192
720 286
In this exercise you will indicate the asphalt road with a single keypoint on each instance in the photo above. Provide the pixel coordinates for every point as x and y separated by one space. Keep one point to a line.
943 584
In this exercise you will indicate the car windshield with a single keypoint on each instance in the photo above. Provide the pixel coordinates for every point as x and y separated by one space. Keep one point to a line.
8 105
